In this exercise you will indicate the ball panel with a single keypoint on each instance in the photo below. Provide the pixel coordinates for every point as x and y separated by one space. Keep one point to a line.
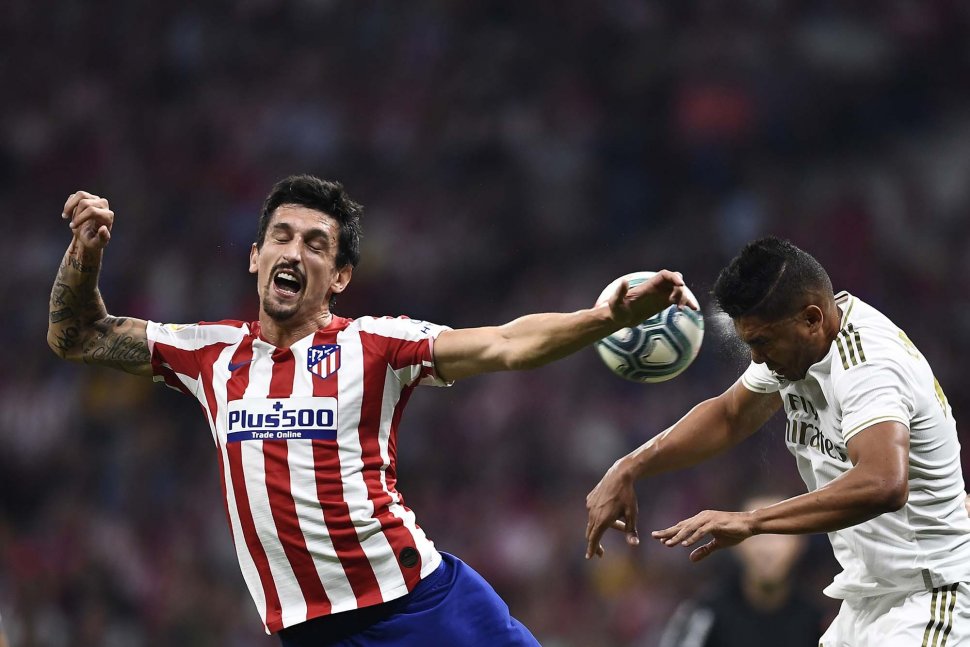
658 349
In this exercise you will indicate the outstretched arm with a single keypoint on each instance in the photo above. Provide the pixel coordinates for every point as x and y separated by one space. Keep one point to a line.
878 482
708 429
80 328
535 340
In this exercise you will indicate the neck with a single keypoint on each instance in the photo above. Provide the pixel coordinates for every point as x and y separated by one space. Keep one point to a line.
284 334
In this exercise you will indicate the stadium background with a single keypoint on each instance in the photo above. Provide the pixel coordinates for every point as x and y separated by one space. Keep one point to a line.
512 157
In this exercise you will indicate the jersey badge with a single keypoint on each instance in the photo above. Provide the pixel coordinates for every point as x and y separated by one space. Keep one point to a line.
323 360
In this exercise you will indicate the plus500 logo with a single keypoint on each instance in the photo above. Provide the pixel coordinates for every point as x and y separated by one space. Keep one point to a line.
292 419
285 419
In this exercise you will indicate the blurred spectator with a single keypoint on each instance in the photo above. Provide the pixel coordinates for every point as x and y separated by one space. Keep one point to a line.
759 605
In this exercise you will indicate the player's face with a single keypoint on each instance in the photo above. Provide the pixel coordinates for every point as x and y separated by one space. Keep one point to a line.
788 347
295 268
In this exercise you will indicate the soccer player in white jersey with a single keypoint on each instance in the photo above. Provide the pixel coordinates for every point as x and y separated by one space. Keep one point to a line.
872 435
303 406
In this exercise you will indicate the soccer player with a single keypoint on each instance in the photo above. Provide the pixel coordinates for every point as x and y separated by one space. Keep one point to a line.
304 406
872 435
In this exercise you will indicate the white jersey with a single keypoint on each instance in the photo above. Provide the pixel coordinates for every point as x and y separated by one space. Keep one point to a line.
307 444
873 373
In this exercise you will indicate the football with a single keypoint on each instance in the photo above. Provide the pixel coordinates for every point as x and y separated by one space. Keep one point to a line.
659 348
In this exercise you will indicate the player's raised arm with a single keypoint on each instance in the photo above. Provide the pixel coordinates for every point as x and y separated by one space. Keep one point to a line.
80 328
707 429
537 339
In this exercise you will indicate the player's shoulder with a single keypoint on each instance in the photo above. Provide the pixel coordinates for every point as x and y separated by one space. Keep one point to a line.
201 332
866 337
398 327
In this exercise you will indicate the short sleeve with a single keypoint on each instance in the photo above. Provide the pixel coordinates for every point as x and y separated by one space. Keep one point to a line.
173 358
409 348
872 392
759 379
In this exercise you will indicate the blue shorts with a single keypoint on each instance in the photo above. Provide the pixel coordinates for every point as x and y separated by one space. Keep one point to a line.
452 607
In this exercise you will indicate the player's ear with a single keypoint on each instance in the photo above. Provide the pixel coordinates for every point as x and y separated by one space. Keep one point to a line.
341 279
813 317
253 257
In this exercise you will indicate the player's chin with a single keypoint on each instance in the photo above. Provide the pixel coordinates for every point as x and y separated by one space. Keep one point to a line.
279 311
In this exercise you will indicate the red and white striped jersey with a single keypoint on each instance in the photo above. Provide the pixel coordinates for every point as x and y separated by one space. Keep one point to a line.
307 444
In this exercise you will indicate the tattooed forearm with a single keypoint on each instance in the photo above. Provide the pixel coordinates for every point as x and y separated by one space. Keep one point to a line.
58 316
80 328
75 302
78 264
64 299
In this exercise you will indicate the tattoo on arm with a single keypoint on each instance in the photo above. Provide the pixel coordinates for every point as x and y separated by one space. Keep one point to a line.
116 345
80 327
65 338
78 264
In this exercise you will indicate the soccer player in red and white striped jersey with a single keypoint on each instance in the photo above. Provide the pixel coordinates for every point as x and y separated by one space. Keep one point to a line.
303 407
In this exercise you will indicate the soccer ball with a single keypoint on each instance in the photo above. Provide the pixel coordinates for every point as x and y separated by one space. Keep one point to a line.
659 348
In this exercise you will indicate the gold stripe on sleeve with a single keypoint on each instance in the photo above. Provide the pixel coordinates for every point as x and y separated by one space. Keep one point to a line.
848 344
858 341
838 344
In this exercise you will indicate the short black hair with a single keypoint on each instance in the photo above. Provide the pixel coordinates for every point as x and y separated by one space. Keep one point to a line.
770 279
322 195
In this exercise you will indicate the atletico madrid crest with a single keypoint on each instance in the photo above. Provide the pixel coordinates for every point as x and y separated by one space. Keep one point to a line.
323 360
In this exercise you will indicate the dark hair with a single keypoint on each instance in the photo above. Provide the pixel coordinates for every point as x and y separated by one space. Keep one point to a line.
324 196
770 279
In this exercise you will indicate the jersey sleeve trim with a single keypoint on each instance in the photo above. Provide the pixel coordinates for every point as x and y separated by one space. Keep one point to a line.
751 386
432 366
175 350
848 434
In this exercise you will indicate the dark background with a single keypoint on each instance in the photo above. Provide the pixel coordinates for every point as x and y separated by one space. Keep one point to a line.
512 158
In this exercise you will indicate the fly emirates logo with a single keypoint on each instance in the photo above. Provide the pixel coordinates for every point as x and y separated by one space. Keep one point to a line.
803 428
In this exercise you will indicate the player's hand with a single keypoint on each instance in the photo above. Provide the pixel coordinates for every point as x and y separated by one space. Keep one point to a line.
630 306
611 504
90 220
724 528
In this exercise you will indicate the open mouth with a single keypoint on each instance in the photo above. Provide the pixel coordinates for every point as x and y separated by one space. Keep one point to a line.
287 282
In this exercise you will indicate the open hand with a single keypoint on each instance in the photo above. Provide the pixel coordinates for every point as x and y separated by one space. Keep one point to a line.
611 504
725 529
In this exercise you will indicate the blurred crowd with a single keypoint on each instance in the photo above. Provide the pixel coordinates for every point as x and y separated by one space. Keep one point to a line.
512 157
